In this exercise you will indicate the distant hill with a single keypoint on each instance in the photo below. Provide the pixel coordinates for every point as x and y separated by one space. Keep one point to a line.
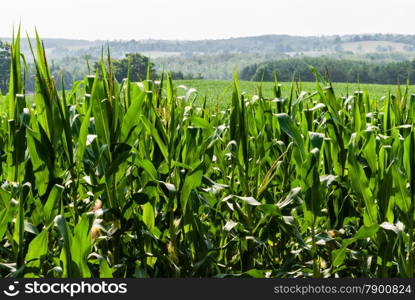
282 44
219 58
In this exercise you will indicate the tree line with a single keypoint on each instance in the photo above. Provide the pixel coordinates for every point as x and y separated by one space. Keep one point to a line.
336 70
4 66
134 64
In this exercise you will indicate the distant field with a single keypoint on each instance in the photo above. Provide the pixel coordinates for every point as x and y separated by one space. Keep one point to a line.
220 89
375 46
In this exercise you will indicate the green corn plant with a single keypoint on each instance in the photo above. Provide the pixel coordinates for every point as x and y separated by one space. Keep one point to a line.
154 179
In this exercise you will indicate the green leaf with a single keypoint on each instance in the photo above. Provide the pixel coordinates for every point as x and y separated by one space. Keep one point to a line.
104 269
149 216
6 216
66 256
38 246
81 245
148 166
338 256
153 131
191 182
51 206
365 232
289 127
130 120
82 140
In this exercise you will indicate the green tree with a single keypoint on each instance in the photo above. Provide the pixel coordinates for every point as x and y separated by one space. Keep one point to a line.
138 66
4 66
57 73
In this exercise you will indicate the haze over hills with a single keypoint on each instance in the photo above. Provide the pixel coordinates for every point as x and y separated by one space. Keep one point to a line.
218 58
282 44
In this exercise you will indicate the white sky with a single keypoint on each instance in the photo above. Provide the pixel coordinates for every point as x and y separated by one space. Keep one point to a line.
202 19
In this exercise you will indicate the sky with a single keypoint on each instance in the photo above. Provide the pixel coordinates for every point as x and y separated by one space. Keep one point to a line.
207 19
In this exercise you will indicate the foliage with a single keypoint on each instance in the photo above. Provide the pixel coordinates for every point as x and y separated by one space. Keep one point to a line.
180 76
217 66
4 66
132 180
337 70
134 65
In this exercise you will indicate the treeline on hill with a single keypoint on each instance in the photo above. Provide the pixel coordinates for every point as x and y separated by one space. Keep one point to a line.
213 67
334 69
66 75
254 44
4 65
71 71
136 67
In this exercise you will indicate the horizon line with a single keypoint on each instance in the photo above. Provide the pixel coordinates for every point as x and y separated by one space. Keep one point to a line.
207 39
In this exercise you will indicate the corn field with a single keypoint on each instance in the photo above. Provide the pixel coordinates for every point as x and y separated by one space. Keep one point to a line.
131 180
